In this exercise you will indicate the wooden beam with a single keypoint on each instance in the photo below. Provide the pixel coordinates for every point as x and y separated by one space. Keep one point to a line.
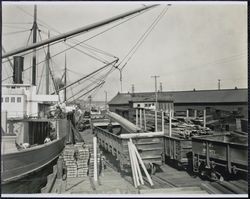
132 165
137 165
143 166
138 135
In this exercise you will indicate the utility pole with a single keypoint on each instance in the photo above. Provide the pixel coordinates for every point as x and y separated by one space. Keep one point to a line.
65 78
106 100
160 86
90 99
47 68
34 28
120 70
218 84
133 88
155 77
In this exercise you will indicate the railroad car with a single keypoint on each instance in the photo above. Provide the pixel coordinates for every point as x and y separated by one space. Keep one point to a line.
150 148
220 156
178 151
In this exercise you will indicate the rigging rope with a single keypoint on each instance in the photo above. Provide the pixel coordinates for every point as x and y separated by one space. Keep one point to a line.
143 37
29 37
40 80
15 32
89 37
87 86
74 41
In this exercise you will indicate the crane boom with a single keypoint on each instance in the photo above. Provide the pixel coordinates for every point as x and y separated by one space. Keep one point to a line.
75 32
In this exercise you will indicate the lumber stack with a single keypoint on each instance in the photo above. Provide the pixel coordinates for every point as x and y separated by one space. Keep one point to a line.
76 159
82 157
70 162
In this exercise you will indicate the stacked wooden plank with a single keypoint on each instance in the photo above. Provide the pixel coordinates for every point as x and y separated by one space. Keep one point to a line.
70 161
82 157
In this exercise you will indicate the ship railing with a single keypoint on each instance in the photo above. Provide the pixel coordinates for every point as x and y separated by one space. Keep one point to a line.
17 114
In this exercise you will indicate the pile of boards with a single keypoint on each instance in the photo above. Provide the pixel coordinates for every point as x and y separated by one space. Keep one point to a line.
76 159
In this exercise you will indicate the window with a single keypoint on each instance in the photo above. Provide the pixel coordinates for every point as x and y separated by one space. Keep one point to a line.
138 105
6 99
19 99
12 99
153 104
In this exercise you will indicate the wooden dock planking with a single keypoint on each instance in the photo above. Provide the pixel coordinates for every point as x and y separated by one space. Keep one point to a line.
174 190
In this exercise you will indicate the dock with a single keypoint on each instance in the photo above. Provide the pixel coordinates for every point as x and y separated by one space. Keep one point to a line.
166 180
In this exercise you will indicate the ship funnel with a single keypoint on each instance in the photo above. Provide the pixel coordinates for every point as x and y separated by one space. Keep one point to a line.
18 69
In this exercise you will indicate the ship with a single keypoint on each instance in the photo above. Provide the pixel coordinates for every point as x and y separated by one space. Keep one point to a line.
33 133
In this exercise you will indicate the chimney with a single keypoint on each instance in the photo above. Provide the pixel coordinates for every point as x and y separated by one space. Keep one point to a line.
17 70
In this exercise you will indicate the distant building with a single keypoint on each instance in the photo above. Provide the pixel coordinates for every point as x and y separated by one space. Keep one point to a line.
125 103
190 102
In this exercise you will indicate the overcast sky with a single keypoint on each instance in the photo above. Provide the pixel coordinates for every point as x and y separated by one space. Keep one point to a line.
192 46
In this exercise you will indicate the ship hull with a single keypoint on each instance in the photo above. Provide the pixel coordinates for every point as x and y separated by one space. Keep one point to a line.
19 164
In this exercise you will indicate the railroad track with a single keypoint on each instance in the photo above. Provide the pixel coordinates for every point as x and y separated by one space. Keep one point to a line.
218 187
226 187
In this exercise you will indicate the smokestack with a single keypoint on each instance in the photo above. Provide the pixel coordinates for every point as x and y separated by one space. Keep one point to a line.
17 70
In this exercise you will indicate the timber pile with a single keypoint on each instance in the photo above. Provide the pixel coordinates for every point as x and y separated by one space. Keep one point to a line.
82 157
70 162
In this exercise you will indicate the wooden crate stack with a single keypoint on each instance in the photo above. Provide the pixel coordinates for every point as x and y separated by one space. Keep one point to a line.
82 156
70 161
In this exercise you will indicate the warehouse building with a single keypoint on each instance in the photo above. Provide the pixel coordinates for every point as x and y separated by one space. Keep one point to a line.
190 103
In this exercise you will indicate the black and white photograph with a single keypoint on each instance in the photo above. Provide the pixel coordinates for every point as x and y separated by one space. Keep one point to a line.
124 99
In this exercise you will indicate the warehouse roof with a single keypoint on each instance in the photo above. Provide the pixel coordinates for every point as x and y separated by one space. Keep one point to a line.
194 96
150 97
121 98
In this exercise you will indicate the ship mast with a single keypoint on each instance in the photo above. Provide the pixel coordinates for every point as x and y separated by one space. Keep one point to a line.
34 29
65 78
47 67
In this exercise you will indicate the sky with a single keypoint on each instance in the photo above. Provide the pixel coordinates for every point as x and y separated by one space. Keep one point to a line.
192 46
